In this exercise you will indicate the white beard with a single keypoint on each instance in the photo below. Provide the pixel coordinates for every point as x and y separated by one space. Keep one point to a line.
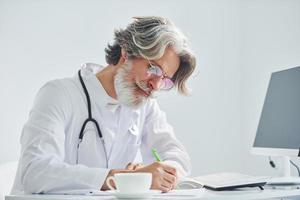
127 91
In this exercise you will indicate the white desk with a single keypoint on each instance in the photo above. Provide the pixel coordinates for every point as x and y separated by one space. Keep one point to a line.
204 195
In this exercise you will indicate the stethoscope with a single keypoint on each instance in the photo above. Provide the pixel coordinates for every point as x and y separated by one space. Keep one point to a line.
89 119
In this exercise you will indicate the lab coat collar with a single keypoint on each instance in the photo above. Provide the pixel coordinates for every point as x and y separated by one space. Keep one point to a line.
89 70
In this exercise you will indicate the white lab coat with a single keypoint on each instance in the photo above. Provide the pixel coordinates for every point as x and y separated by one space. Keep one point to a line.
50 137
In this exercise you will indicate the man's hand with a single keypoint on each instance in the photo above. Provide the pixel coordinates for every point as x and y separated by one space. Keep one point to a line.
164 176
134 166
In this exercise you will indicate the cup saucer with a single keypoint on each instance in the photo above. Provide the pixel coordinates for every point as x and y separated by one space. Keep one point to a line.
140 195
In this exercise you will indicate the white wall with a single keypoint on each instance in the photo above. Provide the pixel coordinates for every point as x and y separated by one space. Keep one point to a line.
237 43
269 40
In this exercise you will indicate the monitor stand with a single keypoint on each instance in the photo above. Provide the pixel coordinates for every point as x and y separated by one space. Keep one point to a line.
285 178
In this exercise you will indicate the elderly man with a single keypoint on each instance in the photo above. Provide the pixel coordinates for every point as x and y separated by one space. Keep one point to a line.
83 129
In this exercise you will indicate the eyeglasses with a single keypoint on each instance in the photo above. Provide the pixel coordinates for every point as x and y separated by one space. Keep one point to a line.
166 82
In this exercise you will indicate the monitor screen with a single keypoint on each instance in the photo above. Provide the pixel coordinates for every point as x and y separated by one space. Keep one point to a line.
279 125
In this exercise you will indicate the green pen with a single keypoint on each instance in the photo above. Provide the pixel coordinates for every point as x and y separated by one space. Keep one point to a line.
155 154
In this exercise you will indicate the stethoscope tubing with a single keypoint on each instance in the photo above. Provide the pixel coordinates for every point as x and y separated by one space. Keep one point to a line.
89 119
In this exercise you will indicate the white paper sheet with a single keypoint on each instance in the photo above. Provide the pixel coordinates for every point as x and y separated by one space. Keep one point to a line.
80 192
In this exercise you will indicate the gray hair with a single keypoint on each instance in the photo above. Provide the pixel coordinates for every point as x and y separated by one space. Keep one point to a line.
148 37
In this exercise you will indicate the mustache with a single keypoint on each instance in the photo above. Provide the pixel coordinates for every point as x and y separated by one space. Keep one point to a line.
144 86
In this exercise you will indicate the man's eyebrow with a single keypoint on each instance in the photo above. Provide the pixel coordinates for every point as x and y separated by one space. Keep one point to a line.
155 63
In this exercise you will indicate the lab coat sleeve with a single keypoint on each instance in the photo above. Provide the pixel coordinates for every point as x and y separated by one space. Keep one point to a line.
159 134
42 165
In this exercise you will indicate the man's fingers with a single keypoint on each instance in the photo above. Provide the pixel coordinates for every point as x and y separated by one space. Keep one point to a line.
165 186
170 169
137 166
170 178
164 189
129 166
133 166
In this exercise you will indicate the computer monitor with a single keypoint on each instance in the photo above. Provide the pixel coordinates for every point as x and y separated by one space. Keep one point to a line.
278 131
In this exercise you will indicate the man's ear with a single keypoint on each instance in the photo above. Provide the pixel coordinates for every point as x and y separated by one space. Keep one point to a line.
124 54
123 57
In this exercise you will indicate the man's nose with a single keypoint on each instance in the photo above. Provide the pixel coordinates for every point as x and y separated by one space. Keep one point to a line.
154 83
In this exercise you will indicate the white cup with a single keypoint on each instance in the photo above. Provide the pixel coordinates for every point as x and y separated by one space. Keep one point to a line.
131 182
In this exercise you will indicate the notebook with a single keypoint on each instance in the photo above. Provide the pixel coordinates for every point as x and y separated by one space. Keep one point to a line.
222 181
